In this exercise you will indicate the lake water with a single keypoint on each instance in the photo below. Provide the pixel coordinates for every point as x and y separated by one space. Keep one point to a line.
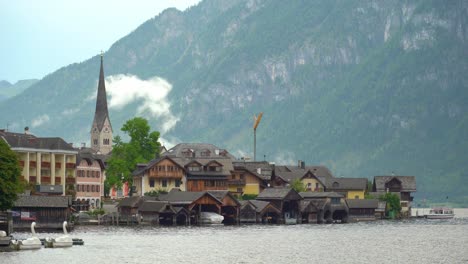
408 241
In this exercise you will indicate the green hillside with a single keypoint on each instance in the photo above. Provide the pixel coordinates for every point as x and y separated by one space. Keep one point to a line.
364 87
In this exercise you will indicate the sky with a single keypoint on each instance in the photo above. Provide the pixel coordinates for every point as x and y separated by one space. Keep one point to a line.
39 37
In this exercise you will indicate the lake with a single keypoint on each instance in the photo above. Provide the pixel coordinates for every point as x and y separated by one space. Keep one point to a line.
407 241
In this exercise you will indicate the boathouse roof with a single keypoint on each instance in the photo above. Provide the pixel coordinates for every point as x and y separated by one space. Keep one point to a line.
314 195
43 201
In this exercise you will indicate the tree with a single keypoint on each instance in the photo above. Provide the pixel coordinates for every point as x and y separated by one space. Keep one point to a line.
10 184
298 186
142 147
393 202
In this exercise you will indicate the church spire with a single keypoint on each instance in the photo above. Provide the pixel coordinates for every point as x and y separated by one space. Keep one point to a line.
101 101
101 131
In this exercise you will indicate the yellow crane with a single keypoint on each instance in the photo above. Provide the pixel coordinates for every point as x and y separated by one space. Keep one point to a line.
256 122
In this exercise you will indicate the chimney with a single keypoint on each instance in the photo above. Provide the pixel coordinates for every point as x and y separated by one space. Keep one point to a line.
26 130
217 151
301 164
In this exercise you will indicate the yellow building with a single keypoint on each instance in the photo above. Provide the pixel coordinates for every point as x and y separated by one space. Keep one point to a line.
351 188
48 163
249 178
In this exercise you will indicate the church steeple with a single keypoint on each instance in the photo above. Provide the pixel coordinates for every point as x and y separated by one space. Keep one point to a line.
101 131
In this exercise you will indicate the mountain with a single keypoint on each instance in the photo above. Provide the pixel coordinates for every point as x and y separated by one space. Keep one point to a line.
364 87
8 90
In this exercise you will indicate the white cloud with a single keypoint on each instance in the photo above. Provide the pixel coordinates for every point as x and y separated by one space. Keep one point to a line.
285 158
40 120
68 112
152 93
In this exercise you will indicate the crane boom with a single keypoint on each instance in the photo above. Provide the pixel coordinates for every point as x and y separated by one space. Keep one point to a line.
257 120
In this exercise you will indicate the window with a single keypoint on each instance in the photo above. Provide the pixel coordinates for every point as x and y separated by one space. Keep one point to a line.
212 168
92 174
316 185
178 182
356 197
164 183
92 188
98 174
335 200
205 153
95 141
239 190
242 177
194 168
151 182
105 141
335 185
87 188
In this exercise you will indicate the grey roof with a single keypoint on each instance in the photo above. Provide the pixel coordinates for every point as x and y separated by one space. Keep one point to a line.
259 205
155 206
101 112
43 201
180 197
19 140
90 155
131 201
318 170
220 195
362 203
261 169
277 193
408 183
313 195
175 154
346 184
196 149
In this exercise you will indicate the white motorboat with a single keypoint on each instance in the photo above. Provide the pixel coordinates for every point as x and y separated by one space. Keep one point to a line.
440 213
30 243
210 218
62 241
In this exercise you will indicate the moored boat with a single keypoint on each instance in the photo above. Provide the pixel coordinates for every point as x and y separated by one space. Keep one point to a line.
440 213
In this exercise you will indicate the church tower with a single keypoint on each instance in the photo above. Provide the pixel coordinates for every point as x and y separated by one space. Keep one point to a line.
101 131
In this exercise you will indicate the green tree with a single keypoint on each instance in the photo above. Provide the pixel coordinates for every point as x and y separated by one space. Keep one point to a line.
10 184
298 186
393 202
142 147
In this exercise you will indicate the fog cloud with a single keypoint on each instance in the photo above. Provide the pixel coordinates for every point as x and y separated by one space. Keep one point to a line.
151 95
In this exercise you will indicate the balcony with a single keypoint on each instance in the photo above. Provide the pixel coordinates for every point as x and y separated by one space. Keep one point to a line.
32 179
70 180
70 165
236 182
58 180
32 164
45 164
58 165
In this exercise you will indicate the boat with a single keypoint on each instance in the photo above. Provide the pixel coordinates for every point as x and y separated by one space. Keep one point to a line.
30 243
440 213
210 218
62 241
4 238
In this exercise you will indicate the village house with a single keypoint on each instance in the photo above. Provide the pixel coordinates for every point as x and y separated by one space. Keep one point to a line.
256 211
313 177
401 185
48 212
90 175
193 202
350 188
250 178
362 209
48 164
323 207
191 167
286 200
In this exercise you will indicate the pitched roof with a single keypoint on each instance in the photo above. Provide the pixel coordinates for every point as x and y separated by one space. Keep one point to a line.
318 170
101 112
89 155
180 197
408 183
43 201
155 206
19 140
278 193
196 149
307 206
313 195
261 169
362 203
131 201
346 183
